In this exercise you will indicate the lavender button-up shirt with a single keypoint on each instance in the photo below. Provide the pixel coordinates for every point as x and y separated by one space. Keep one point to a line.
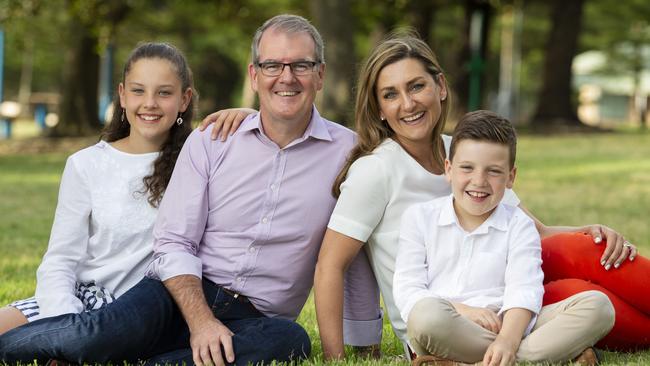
250 216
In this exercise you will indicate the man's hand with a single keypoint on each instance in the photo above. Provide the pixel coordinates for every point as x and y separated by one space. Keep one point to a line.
502 352
207 334
210 342
486 318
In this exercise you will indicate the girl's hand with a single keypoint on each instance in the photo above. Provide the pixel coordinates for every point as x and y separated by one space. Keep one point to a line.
486 318
617 250
226 121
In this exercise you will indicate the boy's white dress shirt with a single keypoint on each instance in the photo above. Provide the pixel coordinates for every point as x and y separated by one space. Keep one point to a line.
496 266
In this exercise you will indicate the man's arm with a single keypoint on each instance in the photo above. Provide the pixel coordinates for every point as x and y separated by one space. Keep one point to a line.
207 333
179 228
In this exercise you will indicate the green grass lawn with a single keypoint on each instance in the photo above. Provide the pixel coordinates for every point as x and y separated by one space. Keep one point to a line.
565 180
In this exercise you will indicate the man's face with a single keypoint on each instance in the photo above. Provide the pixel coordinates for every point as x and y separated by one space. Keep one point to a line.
286 98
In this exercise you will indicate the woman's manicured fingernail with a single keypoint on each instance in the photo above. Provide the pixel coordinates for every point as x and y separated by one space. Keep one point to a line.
602 262
597 239
607 267
616 265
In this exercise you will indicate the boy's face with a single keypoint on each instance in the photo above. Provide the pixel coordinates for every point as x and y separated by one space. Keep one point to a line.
479 175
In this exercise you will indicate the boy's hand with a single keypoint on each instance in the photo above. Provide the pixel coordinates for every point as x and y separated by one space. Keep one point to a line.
486 318
502 352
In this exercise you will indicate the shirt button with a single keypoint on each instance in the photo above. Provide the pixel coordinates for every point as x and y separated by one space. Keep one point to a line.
265 220
273 186
239 279
251 249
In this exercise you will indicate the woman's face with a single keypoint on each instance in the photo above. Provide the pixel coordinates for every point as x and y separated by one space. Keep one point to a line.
410 100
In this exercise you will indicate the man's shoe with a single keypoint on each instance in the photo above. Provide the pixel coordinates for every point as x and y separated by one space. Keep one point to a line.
588 357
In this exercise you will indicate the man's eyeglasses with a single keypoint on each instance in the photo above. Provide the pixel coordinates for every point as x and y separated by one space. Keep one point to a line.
298 68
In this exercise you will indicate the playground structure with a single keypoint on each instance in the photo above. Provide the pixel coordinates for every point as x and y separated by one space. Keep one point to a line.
43 105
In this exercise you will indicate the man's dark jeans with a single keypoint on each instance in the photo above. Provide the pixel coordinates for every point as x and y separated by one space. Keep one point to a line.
145 323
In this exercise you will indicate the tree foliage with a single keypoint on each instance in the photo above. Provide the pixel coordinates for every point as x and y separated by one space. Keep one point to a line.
69 36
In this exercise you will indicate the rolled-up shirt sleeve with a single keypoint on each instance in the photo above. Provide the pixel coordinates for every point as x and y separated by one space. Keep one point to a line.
524 277
183 213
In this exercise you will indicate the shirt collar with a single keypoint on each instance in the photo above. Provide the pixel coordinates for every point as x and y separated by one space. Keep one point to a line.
498 219
317 127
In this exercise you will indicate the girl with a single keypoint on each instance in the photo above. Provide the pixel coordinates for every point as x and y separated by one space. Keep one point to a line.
101 240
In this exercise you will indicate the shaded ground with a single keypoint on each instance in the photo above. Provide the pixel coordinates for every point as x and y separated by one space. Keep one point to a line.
42 145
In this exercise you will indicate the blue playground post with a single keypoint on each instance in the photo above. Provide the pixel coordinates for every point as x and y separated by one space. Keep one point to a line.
40 111
106 82
6 124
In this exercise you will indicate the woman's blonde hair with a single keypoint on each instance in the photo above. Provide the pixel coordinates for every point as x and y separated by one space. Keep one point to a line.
368 124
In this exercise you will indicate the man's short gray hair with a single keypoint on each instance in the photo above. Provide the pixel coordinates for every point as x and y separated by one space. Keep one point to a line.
289 23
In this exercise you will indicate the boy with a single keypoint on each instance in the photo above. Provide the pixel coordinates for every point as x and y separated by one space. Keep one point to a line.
468 277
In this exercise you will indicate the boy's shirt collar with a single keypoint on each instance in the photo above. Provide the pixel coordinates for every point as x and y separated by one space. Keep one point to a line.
498 219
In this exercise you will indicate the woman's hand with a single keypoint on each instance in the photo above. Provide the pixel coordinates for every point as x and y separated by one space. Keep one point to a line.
617 250
226 121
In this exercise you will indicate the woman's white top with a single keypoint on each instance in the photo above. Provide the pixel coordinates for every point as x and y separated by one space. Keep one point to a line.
102 229
378 189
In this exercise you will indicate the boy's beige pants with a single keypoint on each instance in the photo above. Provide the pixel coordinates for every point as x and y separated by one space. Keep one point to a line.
562 331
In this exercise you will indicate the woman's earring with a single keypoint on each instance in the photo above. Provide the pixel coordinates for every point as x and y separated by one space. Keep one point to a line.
442 99
179 120
122 119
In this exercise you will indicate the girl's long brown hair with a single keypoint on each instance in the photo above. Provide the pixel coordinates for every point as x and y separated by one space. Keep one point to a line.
119 128
370 128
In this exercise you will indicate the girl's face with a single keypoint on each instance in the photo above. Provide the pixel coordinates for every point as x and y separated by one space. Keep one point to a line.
152 96
410 100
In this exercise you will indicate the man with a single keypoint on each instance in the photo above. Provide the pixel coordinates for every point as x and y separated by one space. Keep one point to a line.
237 236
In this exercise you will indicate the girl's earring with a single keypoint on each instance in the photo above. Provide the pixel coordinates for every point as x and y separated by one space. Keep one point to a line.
122 119
179 120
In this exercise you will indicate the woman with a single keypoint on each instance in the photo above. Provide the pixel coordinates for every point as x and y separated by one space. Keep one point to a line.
401 109
101 240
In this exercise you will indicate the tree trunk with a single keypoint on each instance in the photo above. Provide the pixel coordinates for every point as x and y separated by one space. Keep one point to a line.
79 108
555 105
80 88
26 73
334 20
421 13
